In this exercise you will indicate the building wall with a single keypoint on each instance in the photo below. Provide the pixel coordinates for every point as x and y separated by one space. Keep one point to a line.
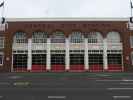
67 27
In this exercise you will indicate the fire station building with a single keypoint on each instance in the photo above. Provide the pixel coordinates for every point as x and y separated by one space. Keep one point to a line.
66 45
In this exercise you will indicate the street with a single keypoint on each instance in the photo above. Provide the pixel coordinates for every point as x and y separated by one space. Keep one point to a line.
66 86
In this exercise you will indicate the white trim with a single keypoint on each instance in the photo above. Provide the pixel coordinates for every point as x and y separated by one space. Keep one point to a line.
67 19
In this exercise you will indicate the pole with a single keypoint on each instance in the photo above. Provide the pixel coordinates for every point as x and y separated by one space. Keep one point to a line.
2 12
131 7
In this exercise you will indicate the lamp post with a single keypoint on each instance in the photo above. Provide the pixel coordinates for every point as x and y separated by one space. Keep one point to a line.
2 13
131 6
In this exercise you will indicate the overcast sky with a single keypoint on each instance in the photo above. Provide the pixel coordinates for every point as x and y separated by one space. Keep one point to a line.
67 8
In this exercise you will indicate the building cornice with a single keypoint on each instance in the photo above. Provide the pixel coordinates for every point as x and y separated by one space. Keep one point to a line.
65 19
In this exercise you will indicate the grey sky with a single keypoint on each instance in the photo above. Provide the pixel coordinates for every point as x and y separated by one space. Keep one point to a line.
67 8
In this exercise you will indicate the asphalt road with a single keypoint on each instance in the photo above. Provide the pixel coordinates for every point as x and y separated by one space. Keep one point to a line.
60 86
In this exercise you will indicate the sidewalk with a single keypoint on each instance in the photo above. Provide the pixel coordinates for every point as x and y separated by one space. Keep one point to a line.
72 75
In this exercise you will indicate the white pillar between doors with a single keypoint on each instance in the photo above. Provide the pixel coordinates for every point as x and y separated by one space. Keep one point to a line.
105 62
48 63
67 57
29 54
86 55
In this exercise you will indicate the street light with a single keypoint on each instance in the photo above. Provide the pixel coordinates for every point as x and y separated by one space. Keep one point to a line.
131 18
3 20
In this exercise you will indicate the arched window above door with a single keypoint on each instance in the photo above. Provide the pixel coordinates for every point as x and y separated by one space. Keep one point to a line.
113 37
39 37
58 37
20 37
76 37
95 37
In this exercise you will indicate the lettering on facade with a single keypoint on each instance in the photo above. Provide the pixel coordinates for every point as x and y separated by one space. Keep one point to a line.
71 26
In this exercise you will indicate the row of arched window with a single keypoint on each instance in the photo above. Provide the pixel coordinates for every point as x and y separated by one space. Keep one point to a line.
74 37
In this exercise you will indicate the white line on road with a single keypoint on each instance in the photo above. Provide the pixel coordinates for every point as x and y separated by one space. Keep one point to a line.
128 80
60 88
1 97
56 97
119 88
126 83
103 75
124 80
121 97
15 77
4 83
47 83
109 80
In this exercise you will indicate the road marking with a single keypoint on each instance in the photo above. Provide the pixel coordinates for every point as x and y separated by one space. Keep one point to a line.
21 83
47 83
127 80
119 88
60 89
15 77
103 75
109 80
4 83
1 97
56 97
124 80
121 97
126 83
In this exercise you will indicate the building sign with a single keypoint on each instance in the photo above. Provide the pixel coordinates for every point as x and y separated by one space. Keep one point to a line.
60 25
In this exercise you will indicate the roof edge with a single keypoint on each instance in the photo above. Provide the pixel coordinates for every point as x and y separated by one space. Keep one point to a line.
68 19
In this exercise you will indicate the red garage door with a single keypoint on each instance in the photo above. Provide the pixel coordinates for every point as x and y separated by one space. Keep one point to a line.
38 62
57 62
